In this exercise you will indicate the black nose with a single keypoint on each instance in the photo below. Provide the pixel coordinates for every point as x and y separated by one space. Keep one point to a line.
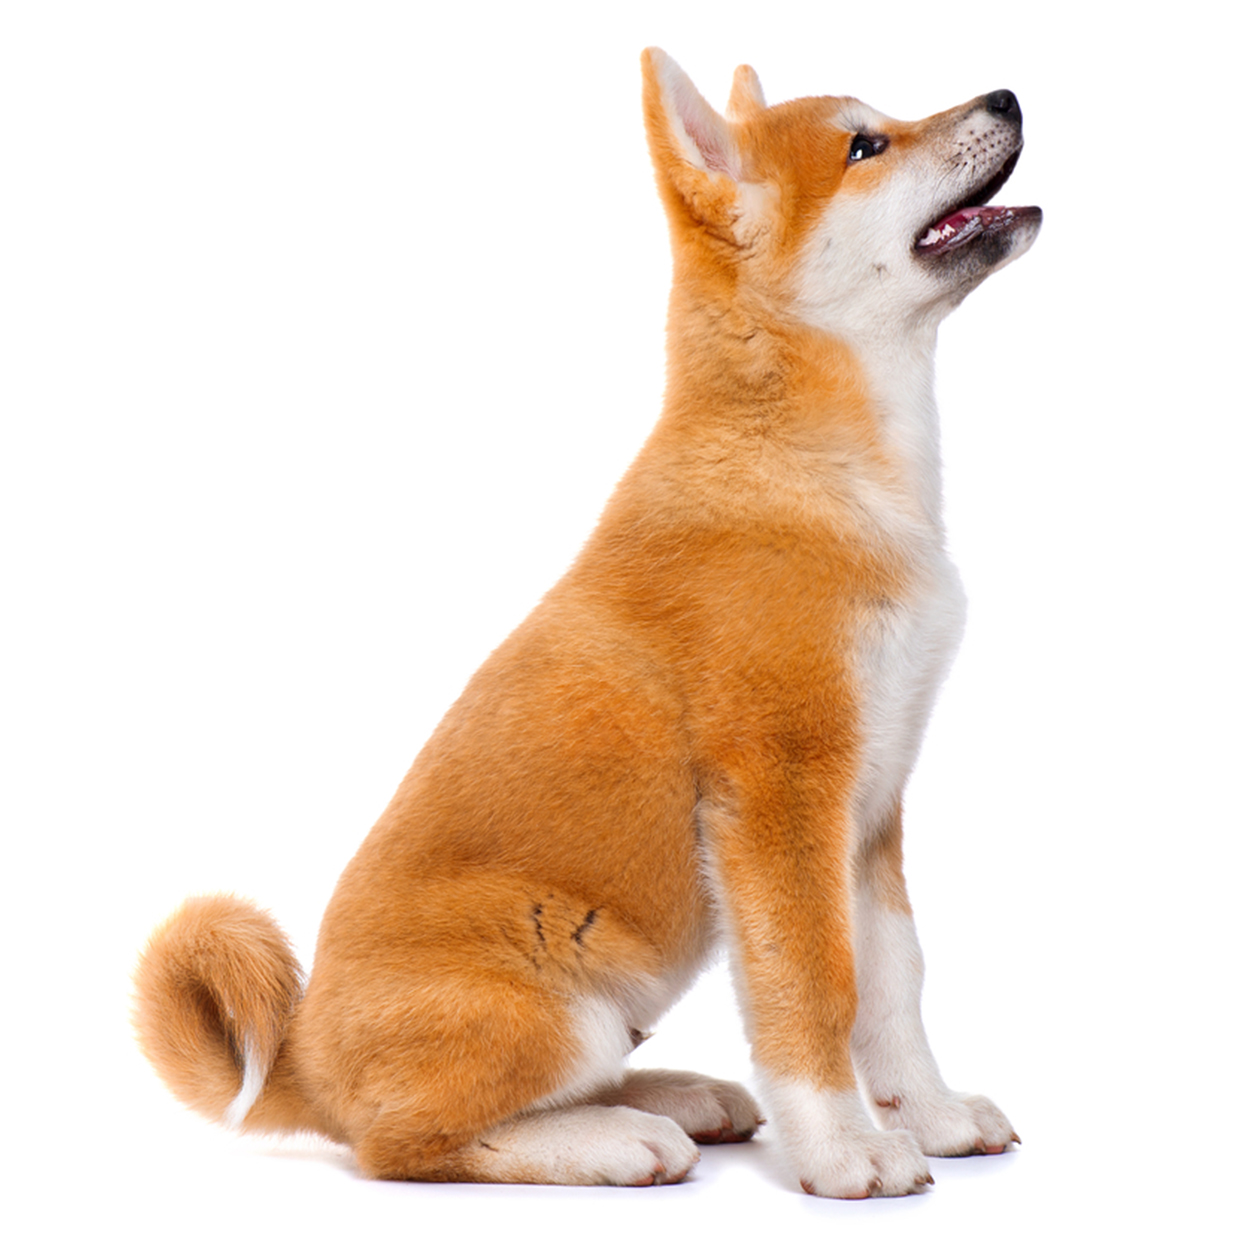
1005 105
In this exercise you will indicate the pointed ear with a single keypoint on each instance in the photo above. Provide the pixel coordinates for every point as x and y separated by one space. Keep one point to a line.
747 96
692 146
681 121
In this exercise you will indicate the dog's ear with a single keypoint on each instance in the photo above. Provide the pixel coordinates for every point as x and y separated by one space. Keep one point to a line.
747 96
697 161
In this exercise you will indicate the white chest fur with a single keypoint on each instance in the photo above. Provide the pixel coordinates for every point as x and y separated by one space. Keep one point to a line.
907 648
903 655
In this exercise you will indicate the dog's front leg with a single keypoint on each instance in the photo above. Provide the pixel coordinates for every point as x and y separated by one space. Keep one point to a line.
781 853
891 1051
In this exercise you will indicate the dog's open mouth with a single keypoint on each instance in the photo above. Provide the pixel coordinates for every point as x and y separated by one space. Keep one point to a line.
971 218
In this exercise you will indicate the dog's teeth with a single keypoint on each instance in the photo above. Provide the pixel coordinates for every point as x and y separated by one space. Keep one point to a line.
958 228
936 235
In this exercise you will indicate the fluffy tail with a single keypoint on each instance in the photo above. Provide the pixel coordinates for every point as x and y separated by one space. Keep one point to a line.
215 990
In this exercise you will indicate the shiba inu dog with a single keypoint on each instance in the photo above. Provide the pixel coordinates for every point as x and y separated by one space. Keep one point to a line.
700 737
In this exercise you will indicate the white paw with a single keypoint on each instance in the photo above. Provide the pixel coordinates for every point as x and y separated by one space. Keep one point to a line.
835 1150
867 1165
588 1146
708 1110
950 1125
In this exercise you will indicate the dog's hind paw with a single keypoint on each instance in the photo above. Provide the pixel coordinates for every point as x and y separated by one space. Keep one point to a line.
709 1111
586 1146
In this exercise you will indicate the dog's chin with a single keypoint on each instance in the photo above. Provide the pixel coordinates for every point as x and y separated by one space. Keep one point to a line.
978 241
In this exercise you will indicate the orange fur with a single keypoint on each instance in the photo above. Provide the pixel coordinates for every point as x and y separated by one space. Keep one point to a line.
215 973
668 750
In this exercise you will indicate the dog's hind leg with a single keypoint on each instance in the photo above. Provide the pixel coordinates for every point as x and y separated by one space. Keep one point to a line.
464 1108
483 1050
579 1145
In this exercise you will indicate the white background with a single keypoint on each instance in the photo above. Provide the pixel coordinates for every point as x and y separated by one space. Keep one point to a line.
326 330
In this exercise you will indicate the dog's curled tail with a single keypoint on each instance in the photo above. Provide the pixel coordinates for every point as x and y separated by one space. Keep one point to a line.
215 989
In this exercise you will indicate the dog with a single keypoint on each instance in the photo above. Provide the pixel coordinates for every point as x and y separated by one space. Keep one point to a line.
698 740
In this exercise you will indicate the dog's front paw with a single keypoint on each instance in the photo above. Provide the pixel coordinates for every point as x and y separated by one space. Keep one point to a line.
950 1125
709 1111
835 1150
867 1165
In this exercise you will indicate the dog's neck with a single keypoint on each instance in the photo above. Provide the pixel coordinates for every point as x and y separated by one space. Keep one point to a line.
900 373
743 382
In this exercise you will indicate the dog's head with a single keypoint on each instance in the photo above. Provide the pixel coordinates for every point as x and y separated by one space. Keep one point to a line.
829 210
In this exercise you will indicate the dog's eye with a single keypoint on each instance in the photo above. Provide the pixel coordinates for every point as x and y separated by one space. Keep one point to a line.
864 146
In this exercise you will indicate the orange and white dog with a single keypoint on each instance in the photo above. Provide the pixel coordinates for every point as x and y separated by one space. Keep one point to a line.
699 738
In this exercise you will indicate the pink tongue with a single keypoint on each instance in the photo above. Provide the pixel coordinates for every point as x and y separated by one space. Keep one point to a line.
961 226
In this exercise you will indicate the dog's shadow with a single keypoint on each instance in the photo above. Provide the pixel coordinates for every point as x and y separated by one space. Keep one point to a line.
760 1159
